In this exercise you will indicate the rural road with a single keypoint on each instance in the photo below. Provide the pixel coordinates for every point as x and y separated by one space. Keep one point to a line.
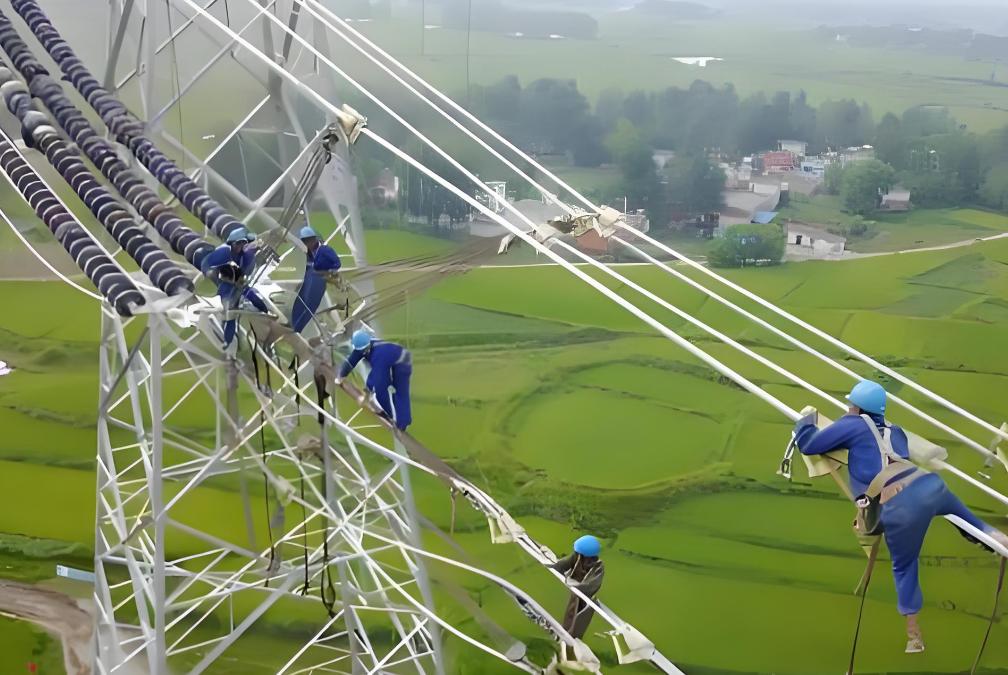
58 614
942 247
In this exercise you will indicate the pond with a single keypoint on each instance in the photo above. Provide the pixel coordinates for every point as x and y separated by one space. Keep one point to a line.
5 369
701 61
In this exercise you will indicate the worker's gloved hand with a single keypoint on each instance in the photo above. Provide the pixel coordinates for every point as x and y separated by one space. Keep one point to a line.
804 429
231 272
339 381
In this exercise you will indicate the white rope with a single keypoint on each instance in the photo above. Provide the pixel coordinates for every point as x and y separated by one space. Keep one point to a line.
713 331
459 109
821 334
633 309
801 345
458 125
65 279
322 58
854 352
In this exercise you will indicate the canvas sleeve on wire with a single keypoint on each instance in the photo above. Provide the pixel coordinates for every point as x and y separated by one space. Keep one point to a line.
126 128
107 277
37 131
182 239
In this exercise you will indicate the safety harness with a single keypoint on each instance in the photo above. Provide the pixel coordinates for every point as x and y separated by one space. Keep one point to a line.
896 474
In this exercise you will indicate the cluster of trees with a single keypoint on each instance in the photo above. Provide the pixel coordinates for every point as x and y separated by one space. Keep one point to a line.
688 183
704 117
938 160
927 152
745 245
860 185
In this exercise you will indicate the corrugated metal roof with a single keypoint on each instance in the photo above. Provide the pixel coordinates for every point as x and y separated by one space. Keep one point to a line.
764 217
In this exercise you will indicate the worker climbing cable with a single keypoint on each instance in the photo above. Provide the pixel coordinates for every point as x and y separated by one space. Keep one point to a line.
391 366
582 570
228 267
321 260
894 497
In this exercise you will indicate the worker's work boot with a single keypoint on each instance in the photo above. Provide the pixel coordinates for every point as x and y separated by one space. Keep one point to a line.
915 642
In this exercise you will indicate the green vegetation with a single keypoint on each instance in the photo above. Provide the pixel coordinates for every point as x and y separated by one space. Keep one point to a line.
577 418
862 183
635 51
752 244
880 232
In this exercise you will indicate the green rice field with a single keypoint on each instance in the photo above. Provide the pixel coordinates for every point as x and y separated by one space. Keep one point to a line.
578 418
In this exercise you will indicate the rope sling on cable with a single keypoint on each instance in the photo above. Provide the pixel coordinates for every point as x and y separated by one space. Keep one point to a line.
300 199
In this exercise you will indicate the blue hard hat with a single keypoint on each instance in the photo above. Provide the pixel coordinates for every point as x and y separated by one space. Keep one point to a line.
236 236
588 546
361 339
869 396
307 232
250 236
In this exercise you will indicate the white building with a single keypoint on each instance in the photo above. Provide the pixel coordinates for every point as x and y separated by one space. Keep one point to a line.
810 242
662 157
737 177
814 167
897 199
797 148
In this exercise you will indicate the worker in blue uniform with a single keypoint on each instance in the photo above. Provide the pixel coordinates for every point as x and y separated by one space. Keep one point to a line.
391 366
320 260
910 497
584 571
228 267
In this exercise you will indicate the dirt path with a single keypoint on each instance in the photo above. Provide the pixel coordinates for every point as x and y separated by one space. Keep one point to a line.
58 614
942 247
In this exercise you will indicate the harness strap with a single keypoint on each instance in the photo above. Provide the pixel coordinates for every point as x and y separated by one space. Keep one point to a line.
253 340
892 463
990 622
863 586
304 540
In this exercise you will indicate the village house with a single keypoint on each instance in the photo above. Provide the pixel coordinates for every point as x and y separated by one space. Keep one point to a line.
897 199
804 241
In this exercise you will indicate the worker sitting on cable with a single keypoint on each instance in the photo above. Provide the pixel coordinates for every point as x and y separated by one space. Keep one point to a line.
320 260
228 267
391 366
909 496
582 570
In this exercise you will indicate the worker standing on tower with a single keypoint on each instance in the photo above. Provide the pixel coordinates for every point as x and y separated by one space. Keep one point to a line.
321 259
228 267
391 366
582 570
907 496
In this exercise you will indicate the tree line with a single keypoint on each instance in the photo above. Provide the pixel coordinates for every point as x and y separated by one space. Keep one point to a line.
940 161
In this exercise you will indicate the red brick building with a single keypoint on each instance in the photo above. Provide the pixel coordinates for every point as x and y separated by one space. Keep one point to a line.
779 161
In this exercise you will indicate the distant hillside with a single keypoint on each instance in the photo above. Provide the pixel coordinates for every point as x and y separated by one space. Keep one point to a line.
963 43
674 9
496 17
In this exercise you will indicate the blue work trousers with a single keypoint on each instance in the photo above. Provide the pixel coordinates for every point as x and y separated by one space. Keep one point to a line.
249 294
398 408
905 521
